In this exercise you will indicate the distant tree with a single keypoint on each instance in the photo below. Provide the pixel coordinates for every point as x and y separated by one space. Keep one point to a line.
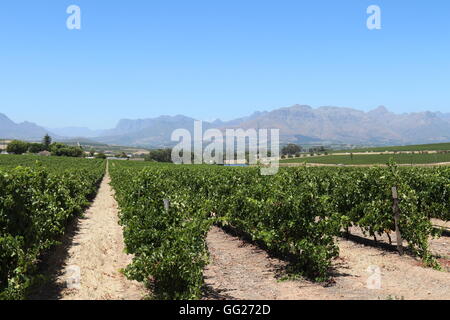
17 147
47 141
160 155
291 149
100 155
63 150
35 147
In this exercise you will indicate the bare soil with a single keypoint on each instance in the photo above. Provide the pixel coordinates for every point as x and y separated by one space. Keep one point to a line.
95 247
440 247
239 270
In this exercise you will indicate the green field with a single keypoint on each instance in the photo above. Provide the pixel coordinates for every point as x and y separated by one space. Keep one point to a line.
373 159
101 147
420 147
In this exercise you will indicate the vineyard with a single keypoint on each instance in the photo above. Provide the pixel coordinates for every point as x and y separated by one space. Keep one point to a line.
168 210
38 198
371 159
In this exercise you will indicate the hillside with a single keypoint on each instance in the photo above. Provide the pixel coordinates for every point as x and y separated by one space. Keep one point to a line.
300 124
413 147
24 130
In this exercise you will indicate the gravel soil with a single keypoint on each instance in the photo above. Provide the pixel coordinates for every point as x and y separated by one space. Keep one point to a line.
239 270
87 265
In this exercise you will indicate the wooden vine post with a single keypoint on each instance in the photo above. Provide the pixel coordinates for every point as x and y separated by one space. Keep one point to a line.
396 210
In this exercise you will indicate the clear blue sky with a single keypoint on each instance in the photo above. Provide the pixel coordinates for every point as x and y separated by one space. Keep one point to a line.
218 58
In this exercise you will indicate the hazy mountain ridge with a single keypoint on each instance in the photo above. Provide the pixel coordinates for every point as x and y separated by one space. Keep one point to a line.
73 132
298 123
347 125
303 124
444 116
25 130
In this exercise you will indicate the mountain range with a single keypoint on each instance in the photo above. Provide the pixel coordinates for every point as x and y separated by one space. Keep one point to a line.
24 130
298 124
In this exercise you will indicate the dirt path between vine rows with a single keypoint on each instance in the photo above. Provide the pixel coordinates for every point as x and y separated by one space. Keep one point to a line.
239 270
94 248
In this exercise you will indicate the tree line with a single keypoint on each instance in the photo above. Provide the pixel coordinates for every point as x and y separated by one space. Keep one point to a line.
54 148
164 155
292 149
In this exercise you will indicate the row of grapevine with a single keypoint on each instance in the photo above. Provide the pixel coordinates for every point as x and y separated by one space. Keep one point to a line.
297 213
433 190
37 200
168 244
364 198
